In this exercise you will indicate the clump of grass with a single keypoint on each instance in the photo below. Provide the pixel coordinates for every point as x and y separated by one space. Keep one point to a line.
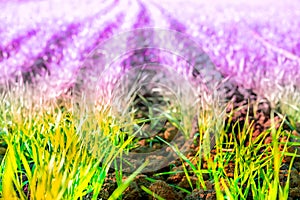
53 152
289 104
256 163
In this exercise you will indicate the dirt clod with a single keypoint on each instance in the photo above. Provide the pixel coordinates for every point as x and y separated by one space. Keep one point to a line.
202 195
165 191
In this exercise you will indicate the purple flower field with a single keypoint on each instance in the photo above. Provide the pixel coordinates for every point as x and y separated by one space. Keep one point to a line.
256 44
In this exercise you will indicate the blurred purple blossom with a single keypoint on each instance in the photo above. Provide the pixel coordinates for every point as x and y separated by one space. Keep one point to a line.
258 44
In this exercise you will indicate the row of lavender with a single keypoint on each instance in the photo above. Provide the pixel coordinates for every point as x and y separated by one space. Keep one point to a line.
258 45
257 42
